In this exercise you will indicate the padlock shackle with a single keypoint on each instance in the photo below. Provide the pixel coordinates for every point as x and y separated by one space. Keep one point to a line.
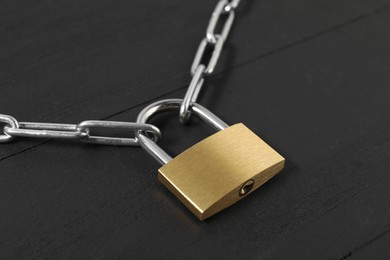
167 105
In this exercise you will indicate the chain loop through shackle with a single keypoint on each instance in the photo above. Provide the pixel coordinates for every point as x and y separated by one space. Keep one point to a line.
166 105
213 41
81 131
211 45
10 121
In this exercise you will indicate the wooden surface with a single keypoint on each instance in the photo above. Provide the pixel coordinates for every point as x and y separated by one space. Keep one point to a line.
310 77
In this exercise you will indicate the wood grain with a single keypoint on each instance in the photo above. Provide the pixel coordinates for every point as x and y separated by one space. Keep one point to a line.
310 77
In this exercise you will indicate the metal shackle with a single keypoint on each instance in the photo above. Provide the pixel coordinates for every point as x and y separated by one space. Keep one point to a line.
167 105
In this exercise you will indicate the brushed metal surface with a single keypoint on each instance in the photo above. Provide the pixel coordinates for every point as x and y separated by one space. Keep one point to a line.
208 176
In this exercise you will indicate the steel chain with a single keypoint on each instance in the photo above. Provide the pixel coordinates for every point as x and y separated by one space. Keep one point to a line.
214 42
82 131
202 65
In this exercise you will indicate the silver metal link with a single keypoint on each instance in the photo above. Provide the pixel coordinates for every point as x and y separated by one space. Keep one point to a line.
146 135
217 48
45 130
220 11
214 40
80 131
87 126
192 93
9 121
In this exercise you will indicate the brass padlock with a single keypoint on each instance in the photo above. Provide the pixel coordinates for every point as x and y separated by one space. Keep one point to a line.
219 170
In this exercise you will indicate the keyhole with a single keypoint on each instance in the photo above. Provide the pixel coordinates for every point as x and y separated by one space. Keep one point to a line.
246 187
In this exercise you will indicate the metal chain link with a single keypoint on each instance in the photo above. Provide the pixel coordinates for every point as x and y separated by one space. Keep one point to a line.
205 60
213 41
82 131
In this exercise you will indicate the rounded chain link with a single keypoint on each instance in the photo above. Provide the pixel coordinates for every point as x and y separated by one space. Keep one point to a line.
204 63
82 131
218 13
8 121
192 93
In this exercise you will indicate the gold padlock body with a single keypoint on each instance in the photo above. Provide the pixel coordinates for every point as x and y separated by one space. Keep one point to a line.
209 176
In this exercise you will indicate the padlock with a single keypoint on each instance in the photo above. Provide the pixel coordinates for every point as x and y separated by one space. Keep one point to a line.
219 170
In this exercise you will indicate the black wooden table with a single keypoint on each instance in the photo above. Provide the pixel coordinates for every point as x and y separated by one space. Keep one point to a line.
312 78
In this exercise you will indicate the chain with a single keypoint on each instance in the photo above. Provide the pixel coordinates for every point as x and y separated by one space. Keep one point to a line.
204 63
205 60
82 131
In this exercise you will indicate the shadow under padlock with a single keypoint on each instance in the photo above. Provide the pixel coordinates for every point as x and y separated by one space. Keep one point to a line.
217 171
